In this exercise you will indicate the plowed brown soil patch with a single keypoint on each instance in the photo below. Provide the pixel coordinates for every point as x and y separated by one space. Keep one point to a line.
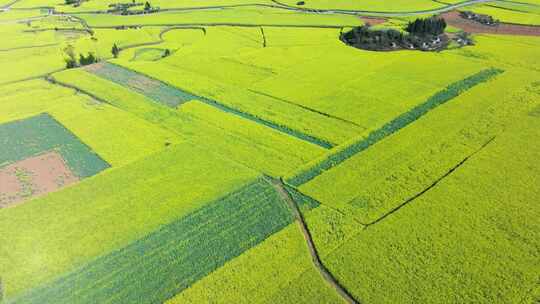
94 67
32 177
143 83
454 19
372 20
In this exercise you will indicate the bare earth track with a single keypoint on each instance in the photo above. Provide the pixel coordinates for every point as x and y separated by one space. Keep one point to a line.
454 19
325 273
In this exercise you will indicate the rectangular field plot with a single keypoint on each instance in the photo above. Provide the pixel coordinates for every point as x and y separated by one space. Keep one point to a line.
153 89
173 97
165 262
247 142
470 239
117 136
378 180
38 156
33 176
69 228
38 134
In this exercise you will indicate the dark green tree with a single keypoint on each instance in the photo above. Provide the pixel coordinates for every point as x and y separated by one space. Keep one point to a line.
147 6
115 50
71 60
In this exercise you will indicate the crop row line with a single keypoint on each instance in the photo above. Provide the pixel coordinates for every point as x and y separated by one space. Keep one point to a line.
220 106
431 186
333 159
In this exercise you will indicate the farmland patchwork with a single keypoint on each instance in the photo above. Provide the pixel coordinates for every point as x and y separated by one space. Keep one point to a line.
40 155
167 261
173 97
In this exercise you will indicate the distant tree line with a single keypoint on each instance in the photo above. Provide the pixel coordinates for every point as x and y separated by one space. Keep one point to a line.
428 26
73 62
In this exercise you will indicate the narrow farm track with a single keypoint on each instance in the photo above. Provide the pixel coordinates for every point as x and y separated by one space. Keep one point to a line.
325 273
280 5
431 186
29 47
454 19
160 37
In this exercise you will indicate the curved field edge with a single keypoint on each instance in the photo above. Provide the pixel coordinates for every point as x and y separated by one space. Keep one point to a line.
346 151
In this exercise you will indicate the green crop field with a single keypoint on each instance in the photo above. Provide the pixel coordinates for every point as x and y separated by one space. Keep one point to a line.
269 151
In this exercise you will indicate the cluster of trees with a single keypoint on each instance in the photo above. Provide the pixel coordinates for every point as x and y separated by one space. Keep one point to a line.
364 37
480 18
428 26
124 8
424 34
115 50
73 62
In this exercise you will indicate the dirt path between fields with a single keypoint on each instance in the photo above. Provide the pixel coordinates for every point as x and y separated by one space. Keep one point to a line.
280 5
435 183
454 19
279 186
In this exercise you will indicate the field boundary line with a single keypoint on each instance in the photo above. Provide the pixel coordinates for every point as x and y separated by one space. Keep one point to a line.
29 47
325 273
225 108
355 146
431 186
307 108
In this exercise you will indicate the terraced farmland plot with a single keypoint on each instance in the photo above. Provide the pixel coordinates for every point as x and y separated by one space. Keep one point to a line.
455 240
151 88
450 135
38 134
186 69
117 136
414 171
158 266
174 97
347 151
72 227
254 145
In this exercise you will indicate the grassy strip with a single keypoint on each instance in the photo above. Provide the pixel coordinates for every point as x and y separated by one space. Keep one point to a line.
169 260
395 125
129 78
32 136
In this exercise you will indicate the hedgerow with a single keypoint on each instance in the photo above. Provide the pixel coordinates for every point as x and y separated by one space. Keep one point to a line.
395 125
173 97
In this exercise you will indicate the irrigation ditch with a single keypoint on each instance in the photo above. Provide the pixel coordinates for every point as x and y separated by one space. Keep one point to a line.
279 185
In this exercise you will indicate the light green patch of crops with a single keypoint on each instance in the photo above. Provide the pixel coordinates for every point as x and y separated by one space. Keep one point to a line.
64 230
244 141
242 16
369 5
503 50
175 256
347 151
22 139
307 288
469 239
261 274
378 180
148 54
511 13
117 136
